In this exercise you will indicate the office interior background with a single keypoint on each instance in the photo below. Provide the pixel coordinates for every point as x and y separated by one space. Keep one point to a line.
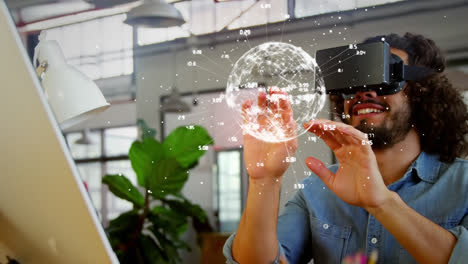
137 69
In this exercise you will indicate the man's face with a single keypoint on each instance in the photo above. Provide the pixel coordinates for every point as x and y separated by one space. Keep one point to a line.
385 118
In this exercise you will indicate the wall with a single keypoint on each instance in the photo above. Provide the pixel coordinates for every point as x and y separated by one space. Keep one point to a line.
117 115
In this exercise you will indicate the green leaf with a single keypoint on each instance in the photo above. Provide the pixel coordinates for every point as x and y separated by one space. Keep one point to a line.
146 131
170 220
187 145
121 187
143 155
187 208
151 251
122 228
170 249
167 227
167 177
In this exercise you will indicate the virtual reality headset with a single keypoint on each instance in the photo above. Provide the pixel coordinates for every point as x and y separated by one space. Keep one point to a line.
364 67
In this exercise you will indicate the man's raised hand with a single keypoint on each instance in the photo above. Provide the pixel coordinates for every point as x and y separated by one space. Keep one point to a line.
274 114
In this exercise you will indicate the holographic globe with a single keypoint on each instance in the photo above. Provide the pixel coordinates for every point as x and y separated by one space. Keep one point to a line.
280 66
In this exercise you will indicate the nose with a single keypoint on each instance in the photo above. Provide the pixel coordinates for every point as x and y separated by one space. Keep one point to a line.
365 95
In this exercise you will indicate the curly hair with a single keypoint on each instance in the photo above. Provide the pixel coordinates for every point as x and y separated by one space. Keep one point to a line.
437 108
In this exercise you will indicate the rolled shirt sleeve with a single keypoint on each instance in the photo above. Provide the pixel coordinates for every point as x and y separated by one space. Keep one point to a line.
460 251
227 251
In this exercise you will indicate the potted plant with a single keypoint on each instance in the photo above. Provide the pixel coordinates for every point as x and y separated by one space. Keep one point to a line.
151 231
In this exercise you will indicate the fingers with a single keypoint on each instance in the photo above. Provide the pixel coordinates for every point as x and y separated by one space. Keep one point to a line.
272 111
273 99
331 131
262 101
245 108
247 104
317 167
341 133
286 111
262 105
247 112
278 103
291 129
353 132
327 137
262 120
347 129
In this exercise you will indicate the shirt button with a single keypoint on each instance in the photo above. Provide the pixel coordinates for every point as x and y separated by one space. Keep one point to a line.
373 240
325 226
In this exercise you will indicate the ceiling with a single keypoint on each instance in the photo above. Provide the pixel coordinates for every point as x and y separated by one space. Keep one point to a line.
31 11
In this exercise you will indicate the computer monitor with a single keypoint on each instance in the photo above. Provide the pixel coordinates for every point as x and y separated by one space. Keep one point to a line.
46 215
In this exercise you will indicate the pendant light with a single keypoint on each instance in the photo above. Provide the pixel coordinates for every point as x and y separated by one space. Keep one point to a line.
174 104
85 139
154 14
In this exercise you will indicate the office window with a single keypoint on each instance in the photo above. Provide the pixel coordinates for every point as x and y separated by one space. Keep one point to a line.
229 183
105 153
100 48
91 173
119 140
306 8
85 151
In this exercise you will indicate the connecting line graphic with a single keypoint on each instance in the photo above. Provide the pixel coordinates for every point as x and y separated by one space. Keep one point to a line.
217 64
335 65
214 73
289 80
284 79
334 57
229 59
281 76
248 42
238 130
282 30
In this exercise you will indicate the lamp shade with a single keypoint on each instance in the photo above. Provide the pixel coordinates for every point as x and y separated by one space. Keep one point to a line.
72 96
174 104
154 14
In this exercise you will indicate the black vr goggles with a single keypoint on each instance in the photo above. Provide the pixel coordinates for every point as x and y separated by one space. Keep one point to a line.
364 67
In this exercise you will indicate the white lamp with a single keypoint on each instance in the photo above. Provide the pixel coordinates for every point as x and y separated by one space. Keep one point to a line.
154 14
174 104
72 96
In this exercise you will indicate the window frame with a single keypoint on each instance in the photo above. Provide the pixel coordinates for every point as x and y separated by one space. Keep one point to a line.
243 182
102 160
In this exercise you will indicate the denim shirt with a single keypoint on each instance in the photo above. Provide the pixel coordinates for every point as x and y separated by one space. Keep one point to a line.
316 224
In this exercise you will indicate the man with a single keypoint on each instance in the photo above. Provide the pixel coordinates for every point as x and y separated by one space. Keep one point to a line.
404 196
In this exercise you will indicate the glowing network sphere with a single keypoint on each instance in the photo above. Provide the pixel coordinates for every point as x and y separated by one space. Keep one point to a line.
282 66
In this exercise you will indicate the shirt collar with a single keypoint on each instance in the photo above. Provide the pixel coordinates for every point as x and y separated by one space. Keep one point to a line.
427 167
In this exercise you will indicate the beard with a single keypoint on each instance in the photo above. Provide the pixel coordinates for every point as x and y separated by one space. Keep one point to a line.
392 130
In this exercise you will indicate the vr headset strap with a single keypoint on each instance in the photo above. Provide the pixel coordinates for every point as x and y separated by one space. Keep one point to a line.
416 73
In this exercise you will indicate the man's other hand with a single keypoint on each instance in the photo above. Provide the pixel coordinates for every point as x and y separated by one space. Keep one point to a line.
358 180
